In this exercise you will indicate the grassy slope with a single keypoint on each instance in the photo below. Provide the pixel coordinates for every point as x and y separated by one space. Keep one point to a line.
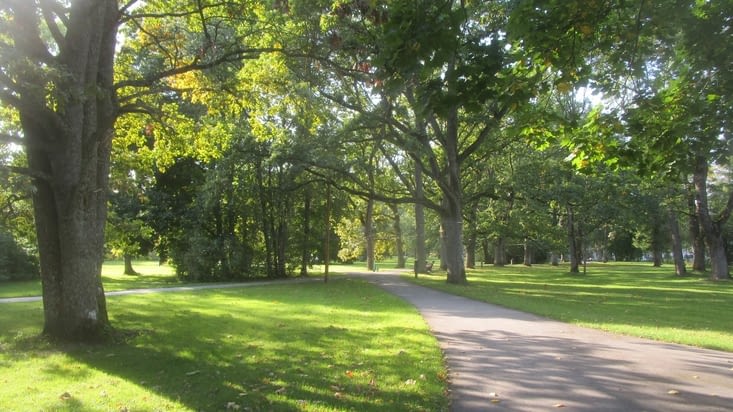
345 345
629 298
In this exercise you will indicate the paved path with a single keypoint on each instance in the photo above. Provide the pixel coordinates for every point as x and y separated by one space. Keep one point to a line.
501 359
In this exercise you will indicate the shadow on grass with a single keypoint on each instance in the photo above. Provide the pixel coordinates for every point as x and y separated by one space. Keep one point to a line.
299 347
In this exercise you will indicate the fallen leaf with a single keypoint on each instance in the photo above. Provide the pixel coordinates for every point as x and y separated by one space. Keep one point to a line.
337 395
410 382
673 392
495 400
695 377
281 391
232 406
493 394
559 405
196 372
65 396
350 374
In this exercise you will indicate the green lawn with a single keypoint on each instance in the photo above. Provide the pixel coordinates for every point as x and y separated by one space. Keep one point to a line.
628 298
344 345
151 275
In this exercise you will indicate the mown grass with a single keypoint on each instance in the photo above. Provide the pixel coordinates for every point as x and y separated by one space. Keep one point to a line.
628 298
150 275
344 345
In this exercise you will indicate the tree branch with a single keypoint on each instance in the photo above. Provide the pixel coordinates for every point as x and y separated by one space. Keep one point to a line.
27 172
230 57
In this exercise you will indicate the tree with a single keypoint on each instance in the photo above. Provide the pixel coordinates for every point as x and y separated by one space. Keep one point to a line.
57 72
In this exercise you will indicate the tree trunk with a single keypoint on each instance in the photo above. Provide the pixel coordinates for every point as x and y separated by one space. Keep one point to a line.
500 252
527 252
573 242
305 251
399 243
129 270
452 239
674 228
471 238
711 229
486 250
68 148
369 233
421 257
696 235
554 259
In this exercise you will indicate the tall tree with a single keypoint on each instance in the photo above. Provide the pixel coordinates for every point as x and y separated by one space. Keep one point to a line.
57 72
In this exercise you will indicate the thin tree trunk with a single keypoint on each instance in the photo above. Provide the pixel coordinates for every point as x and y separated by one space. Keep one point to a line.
369 233
421 257
527 252
486 250
471 238
573 242
305 252
674 228
399 243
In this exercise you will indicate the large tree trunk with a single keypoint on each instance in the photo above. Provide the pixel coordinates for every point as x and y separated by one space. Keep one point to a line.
674 229
696 235
452 234
68 149
129 270
711 229
500 251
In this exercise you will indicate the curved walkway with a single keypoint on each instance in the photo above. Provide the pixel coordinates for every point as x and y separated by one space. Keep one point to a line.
502 359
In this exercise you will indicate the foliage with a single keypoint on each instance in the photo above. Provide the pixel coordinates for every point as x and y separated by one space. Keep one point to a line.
15 262
345 345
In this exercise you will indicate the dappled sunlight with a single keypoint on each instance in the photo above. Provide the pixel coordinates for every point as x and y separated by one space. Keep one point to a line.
344 345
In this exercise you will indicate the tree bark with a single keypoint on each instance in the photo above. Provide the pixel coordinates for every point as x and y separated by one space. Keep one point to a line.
305 252
499 252
573 242
698 240
129 270
471 240
527 252
369 233
421 256
679 260
68 148
399 243
711 229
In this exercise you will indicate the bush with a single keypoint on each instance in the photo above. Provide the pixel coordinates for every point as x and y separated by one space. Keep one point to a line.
15 262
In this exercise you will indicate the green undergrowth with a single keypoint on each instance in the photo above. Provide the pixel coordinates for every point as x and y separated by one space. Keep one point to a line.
627 298
344 345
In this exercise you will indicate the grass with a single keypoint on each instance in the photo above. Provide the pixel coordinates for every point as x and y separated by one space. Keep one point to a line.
151 275
627 298
344 345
